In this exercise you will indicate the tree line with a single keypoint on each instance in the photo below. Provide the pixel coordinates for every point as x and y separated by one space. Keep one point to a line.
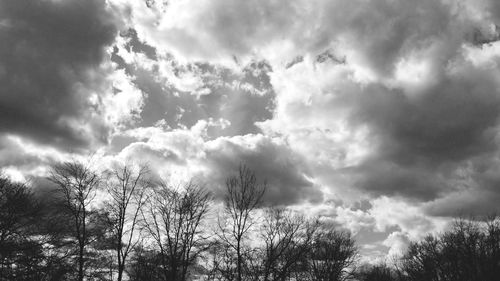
121 224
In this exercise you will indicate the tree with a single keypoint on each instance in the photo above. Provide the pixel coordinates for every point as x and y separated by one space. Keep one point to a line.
332 256
379 272
19 212
173 218
126 188
469 251
422 260
146 265
32 245
287 239
243 196
77 185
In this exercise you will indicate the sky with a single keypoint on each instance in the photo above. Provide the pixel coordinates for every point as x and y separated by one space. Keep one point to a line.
380 116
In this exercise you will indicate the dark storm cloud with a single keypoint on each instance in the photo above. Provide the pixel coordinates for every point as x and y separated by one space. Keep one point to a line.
274 163
478 194
422 139
474 202
12 154
449 122
382 178
49 61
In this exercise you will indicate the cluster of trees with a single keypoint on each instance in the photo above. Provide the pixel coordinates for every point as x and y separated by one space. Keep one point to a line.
121 225
469 251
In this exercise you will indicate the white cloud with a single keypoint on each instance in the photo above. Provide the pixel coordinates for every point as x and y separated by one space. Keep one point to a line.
124 103
397 242
354 220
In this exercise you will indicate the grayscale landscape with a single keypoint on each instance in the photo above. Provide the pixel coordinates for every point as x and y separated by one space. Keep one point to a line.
258 140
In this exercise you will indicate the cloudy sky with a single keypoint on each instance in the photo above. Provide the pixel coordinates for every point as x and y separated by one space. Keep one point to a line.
382 116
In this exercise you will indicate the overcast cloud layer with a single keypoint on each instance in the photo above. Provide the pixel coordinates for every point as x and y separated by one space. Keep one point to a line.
382 116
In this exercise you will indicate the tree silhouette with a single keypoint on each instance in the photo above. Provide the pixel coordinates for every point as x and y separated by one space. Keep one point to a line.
332 256
469 251
243 196
18 213
379 272
77 185
126 187
67 234
287 239
173 218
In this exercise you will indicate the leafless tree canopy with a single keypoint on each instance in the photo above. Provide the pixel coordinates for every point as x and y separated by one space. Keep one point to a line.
143 230
333 255
287 239
173 218
77 185
18 213
243 196
469 251
126 187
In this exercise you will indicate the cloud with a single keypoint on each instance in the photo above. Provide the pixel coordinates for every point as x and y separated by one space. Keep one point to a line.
422 141
272 161
450 121
182 154
50 64
397 243
182 94
379 177
410 222
408 217
19 155
354 220
476 194
375 34
398 114
471 202
212 30
415 102
123 106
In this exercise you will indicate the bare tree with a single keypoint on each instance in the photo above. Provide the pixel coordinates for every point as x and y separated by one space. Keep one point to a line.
126 187
243 196
77 184
287 239
173 218
19 213
333 255
470 251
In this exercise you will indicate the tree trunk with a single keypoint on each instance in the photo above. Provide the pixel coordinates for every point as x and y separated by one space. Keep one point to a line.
121 264
83 240
80 262
120 272
239 259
